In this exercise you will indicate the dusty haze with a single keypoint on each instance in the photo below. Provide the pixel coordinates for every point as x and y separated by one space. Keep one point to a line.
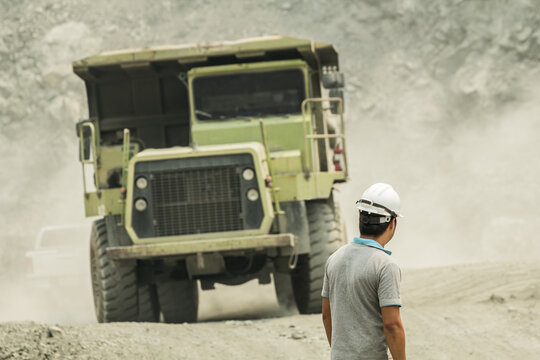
442 102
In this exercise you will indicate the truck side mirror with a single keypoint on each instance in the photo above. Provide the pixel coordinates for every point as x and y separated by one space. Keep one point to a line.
86 148
86 140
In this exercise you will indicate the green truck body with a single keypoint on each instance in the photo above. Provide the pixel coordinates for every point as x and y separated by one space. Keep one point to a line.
211 164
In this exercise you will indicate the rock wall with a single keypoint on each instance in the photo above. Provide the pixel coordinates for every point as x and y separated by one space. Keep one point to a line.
441 102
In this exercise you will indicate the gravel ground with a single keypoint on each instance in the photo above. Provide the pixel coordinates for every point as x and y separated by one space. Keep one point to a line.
478 311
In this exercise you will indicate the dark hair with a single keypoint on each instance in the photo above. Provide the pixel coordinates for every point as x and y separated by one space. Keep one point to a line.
367 227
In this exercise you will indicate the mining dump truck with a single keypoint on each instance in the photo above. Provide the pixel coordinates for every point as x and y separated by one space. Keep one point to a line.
211 163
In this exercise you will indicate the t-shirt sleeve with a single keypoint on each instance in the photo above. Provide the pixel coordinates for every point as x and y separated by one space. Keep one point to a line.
325 293
389 281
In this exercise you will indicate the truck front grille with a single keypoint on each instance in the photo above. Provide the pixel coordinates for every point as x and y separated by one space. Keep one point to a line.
195 195
196 201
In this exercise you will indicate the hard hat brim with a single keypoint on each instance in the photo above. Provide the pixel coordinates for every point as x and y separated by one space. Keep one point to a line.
373 210
376 209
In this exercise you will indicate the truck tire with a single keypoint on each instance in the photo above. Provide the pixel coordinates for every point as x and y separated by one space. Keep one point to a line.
148 303
325 234
117 294
114 287
284 291
178 300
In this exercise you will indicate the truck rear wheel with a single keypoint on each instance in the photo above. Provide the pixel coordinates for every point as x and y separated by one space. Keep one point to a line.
117 295
178 300
325 234
148 303
284 291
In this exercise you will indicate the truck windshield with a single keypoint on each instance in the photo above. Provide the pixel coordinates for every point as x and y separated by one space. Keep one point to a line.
249 94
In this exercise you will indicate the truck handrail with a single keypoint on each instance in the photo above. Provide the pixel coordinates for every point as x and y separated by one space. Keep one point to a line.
270 168
125 166
325 135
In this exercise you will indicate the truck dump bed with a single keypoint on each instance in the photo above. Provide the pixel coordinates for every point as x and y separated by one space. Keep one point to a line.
271 47
145 90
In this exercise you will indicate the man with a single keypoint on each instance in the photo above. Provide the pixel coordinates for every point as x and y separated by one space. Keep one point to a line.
361 299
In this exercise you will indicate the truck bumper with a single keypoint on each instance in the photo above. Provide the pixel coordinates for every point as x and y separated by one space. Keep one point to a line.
257 243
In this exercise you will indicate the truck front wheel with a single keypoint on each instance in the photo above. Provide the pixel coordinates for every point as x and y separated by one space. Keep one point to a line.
117 295
325 234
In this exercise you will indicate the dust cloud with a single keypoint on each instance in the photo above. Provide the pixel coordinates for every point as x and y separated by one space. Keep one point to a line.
468 189
441 103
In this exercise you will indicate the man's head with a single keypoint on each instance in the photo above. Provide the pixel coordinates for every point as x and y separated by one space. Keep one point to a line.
379 207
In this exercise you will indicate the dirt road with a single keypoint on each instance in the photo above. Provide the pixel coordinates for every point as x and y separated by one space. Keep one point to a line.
483 311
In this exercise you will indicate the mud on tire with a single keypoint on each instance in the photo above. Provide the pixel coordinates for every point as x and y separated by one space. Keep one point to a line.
325 234
117 296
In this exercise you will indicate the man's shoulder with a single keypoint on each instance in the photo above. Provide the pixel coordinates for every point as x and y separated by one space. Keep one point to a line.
338 253
366 254
356 249
384 259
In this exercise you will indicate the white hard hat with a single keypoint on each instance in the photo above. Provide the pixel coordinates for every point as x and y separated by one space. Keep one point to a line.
380 199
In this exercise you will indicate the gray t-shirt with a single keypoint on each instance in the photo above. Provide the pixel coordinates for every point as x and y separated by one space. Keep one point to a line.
359 279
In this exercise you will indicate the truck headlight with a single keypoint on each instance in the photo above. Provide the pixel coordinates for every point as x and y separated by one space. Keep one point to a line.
248 174
141 204
253 194
141 183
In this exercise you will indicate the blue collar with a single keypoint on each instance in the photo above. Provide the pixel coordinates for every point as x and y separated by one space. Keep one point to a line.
371 243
